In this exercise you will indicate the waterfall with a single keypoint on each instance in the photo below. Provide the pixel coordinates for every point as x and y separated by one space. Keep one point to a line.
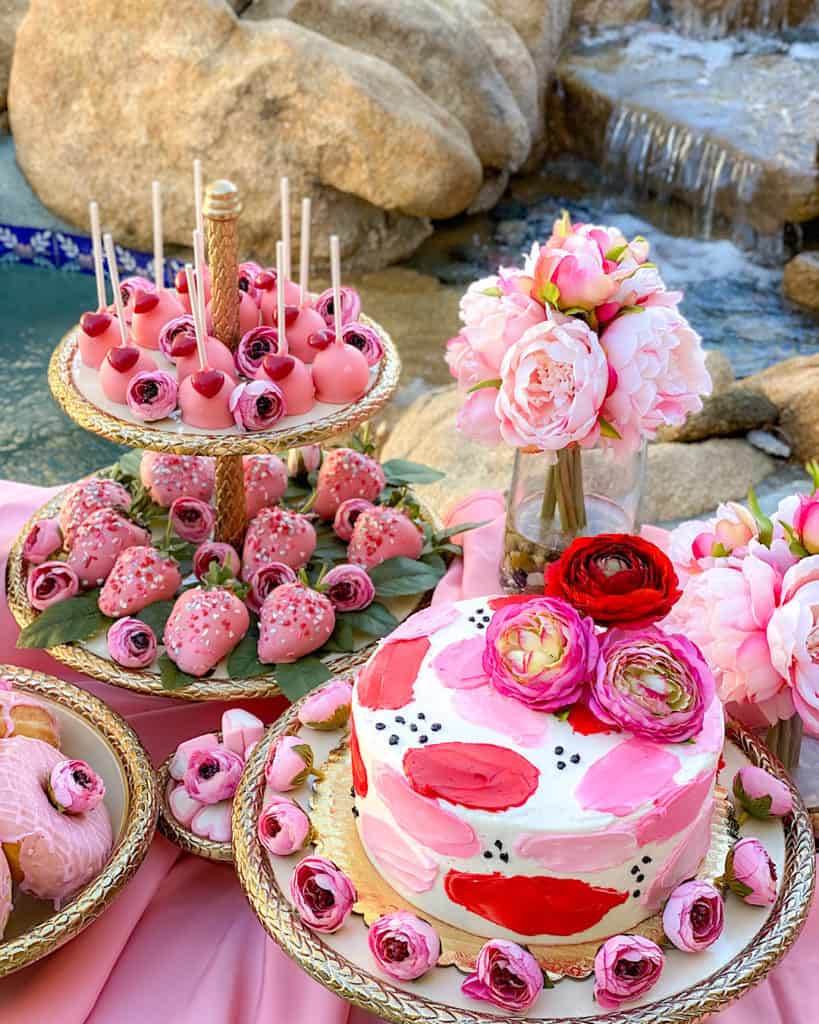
715 19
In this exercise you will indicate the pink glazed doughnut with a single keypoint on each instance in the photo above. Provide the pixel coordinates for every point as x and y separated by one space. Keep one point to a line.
51 855
5 893
24 715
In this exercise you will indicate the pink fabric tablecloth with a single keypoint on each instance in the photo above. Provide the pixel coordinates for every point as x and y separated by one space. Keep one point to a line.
181 946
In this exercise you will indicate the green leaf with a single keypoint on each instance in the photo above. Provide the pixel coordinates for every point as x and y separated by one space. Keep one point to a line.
301 677
74 619
452 531
794 544
156 615
434 561
630 309
400 472
295 493
812 468
172 677
129 464
576 311
400 576
719 550
243 662
343 634
495 382
615 253
609 430
376 620
329 550
493 291
763 522
550 294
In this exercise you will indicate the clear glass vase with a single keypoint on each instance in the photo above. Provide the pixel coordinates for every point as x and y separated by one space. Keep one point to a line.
555 497
785 741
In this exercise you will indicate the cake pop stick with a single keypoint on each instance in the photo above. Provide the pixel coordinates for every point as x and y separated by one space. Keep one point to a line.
198 193
204 396
335 278
304 249
110 254
96 246
159 254
199 264
125 361
196 312
284 266
280 315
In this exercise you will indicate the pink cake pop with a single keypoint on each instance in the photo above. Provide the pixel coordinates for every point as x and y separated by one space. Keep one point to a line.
129 286
204 396
266 283
340 371
293 379
248 313
99 330
248 272
181 286
184 353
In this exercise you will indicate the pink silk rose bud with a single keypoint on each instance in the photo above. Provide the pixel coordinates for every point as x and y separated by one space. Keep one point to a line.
213 774
152 395
264 581
806 522
257 405
625 968
49 583
74 787
304 460
217 551
191 519
539 652
347 513
42 540
283 827
694 916
750 873
404 946
328 707
289 763
131 643
350 305
572 275
349 588
506 975
365 339
322 894
760 795
254 347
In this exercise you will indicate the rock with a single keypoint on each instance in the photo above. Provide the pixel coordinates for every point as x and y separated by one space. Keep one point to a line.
600 13
732 412
11 14
717 17
800 281
259 99
793 385
722 373
769 443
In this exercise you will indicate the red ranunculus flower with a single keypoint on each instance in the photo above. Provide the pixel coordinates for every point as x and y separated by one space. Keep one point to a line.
616 578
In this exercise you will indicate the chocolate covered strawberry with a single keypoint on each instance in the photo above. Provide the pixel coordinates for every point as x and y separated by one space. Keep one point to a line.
295 620
265 482
168 477
141 576
381 533
85 497
277 535
203 628
346 473
98 542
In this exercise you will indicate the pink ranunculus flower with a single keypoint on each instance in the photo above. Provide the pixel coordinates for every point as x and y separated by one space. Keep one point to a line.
191 519
289 762
42 540
505 974
211 551
760 795
347 513
257 405
328 707
694 916
661 373
264 581
349 588
651 683
477 418
323 895
540 653
152 395
131 643
793 638
750 873
74 787
554 382
625 968
213 774
806 522
573 274
283 827
403 946
50 582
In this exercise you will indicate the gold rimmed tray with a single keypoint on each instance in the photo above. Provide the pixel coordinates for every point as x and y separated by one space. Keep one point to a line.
92 732
177 833
691 987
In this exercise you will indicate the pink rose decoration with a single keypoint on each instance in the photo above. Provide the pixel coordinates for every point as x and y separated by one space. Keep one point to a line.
264 581
74 787
349 588
217 551
322 894
654 684
760 795
806 522
306 459
347 513
573 274
365 339
625 968
554 382
191 519
152 395
477 418
694 916
49 583
404 947
289 763
328 707
540 653
257 405
283 827
42 540
350 305
213 774
131 643
253 347
506 975
750 873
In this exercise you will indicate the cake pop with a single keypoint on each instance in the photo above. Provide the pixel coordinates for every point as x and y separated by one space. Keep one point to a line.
129 286
248 312
185 354
340 371
248 272
303 321
152 310
266 283
99 330
181 286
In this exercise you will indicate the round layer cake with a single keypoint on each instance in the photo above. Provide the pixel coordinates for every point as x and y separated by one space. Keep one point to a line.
514 823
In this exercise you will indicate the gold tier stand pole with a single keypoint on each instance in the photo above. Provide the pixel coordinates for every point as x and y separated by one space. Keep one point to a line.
222 208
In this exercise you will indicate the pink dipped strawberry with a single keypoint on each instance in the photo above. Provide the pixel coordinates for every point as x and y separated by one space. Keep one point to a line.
205 625
141 576
168 477
265 482
346 473
277 535
295 621
381 533
85 497
98 542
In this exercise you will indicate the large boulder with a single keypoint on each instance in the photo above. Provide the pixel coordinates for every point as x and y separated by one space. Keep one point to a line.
800 280
732 412
793 385
721 371
11 14
127 93
603 13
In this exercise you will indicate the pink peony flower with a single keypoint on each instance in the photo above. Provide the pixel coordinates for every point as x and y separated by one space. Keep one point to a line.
793 638
750 873
540 652
283 827
761 795
191 519
554 381
49 583
625 968
42 540
257 405
503 320
477 418
328 707
636 286
506 975
213 774
152 395
572 274
264 581
322 894
806 522
211 551
289 763
694 916
653 684
403 946
347 513
74 787
131 643
466 365
349 588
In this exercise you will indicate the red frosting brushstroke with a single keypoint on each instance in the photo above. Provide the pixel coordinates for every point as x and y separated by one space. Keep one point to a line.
585 723
501 602
360 783
387 681
533 906
477 775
